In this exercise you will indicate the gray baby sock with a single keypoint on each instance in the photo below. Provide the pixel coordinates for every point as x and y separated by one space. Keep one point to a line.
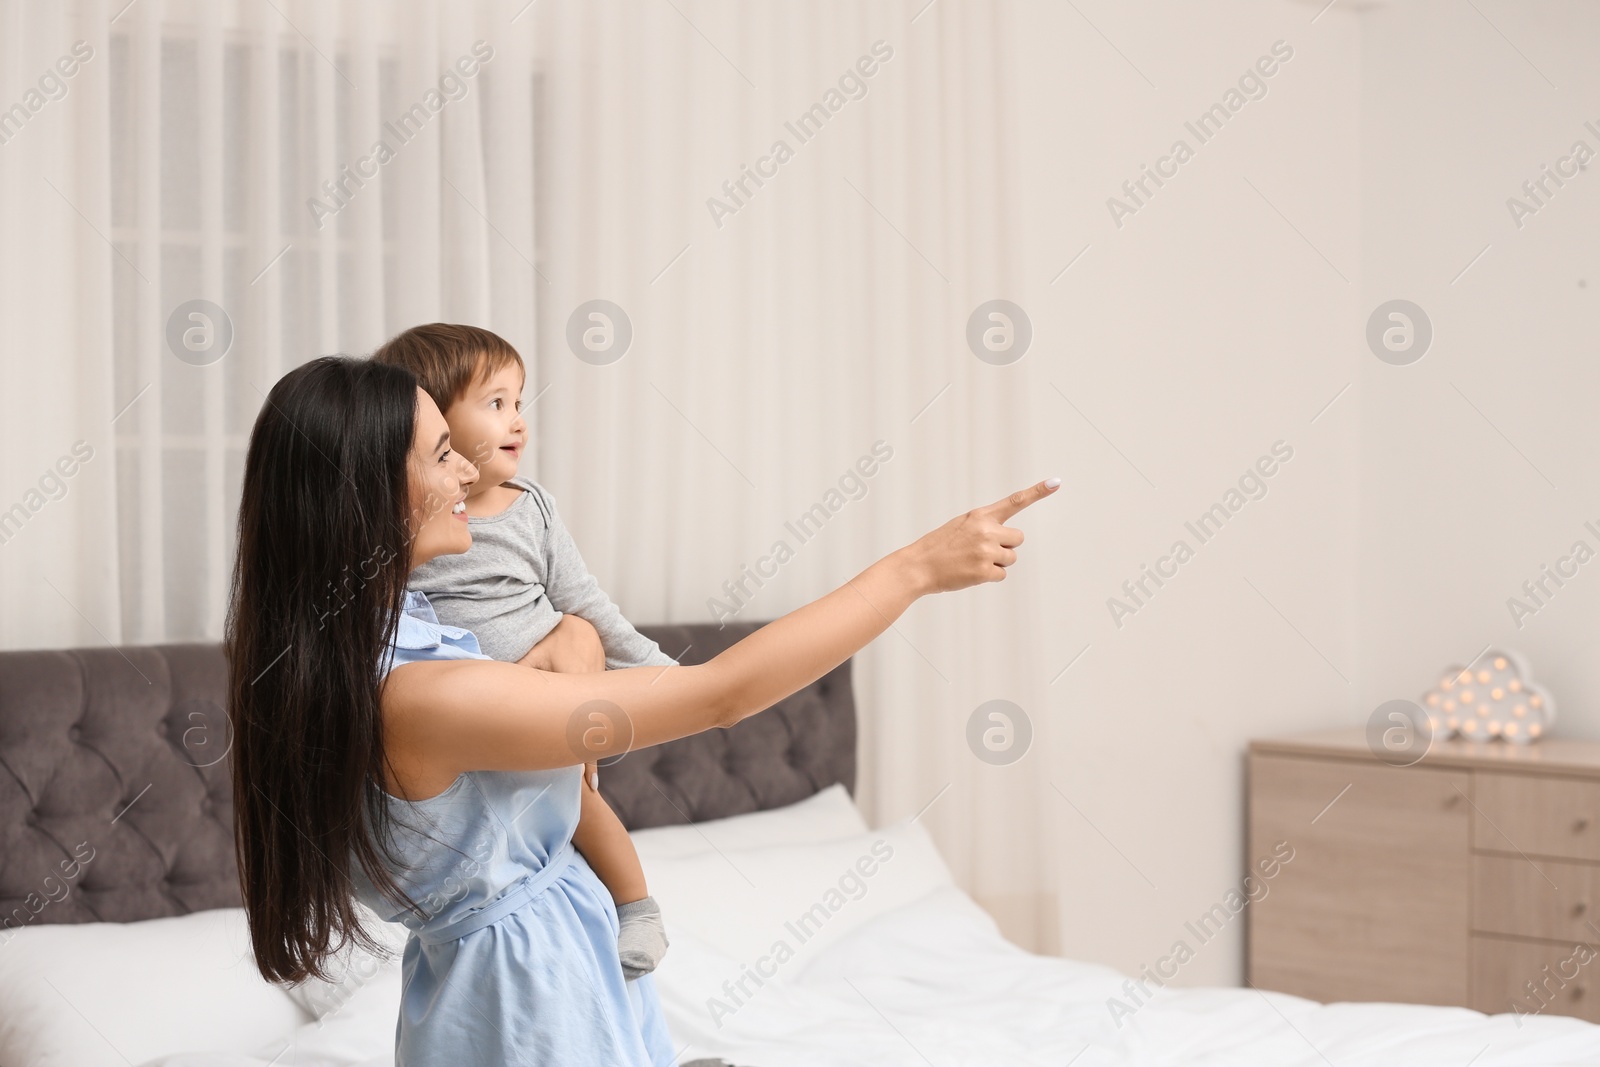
641 939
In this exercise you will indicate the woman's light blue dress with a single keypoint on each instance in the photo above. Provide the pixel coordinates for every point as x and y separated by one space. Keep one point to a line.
517 962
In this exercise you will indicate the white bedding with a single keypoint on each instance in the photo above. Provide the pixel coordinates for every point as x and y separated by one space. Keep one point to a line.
901 968
933 982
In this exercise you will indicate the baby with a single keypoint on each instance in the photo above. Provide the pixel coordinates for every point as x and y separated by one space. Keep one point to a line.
523 589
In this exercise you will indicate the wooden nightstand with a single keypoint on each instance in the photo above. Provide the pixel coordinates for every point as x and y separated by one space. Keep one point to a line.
1470 878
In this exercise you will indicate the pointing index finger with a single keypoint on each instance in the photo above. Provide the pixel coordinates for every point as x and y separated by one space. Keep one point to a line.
1003 509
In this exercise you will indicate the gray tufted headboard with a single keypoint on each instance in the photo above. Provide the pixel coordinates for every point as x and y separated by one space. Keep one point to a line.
116 799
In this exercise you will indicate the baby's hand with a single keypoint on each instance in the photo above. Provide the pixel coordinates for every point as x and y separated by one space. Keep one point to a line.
573 647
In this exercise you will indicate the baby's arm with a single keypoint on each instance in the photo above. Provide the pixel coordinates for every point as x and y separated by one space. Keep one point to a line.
574 591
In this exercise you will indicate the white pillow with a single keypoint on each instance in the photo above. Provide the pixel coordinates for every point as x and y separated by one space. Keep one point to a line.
356 1032
353 968
359 1034
361 1028
774 908
824 816
116 993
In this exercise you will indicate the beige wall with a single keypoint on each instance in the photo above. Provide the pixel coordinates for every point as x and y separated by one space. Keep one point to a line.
1206 327
1193 337
1463 506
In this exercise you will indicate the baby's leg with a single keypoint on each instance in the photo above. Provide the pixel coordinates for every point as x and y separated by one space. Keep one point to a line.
574 646
604 842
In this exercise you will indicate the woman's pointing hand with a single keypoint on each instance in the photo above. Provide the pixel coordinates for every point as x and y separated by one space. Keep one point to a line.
975 547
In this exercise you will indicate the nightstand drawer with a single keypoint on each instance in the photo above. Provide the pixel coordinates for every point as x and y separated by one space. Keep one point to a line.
1549 978
1374 905
1536 898
1539 816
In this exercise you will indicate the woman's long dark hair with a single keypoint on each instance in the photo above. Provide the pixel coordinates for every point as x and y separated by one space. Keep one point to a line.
318 586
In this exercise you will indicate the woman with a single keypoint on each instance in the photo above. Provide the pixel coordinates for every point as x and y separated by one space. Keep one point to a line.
378 756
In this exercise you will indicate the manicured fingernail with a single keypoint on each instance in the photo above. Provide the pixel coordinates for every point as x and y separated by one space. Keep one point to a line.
1051 483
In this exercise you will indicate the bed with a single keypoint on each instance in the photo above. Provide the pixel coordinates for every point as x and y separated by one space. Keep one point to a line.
799 935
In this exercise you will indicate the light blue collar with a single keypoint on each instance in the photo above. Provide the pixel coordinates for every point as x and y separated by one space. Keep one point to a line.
419 626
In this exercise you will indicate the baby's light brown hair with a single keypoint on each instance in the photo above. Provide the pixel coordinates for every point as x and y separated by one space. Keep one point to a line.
448 357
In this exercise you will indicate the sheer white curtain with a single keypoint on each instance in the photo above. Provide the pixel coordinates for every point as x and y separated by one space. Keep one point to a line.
826 312
227 154
798 359
58 572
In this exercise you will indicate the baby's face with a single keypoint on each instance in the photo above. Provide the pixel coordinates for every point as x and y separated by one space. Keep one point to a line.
486 426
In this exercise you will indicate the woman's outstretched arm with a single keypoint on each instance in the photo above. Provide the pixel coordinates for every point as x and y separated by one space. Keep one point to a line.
443 718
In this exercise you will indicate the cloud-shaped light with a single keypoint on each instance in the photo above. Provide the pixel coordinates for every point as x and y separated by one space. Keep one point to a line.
1495 697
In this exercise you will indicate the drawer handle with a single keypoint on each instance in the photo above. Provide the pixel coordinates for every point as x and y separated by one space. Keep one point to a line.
1580 824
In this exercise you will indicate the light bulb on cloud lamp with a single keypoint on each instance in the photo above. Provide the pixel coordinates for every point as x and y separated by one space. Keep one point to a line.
1493 697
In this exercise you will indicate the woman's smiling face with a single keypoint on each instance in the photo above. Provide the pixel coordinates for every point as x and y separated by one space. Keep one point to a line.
440 478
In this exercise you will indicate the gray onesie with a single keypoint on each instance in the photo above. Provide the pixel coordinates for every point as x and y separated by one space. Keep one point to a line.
521 575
